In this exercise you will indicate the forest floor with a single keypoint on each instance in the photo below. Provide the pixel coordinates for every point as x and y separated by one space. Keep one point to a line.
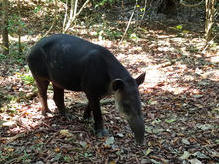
180 102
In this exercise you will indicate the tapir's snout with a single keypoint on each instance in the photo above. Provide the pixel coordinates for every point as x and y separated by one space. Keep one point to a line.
138 128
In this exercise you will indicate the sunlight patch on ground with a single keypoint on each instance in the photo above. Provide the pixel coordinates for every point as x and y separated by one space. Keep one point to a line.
212 75
24 117
51 105
175 89
215 59
154 76
104 43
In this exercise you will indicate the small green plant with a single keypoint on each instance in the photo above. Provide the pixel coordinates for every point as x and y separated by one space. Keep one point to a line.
113 34
25 157
14 23
3 156
133 36
28 79
2 57
14 55
67 158
58 157
192 49
179 27
86 155
37 9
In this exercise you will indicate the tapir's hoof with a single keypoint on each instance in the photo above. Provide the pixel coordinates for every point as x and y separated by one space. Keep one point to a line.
44 112
66 114
87 116
102 133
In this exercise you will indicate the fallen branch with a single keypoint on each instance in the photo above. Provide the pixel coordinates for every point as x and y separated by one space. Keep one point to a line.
50 138
11 139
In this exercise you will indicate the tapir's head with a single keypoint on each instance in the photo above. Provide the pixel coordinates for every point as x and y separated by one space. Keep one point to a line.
128 102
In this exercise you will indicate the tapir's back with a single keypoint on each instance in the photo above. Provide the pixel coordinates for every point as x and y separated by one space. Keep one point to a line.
63 45
74 63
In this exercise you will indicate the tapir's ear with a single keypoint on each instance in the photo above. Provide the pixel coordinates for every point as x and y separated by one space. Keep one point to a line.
140 79
117 84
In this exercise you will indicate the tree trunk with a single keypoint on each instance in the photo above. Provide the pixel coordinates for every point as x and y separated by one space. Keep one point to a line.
72 14
210 11
19 29
5 40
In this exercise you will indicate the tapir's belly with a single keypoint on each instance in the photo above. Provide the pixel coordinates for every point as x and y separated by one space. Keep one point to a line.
67 76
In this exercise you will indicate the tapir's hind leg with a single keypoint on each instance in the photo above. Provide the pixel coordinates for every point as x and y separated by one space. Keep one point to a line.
42 86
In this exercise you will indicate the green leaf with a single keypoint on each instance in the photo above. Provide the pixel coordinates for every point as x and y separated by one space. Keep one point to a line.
134 36
170 120
195 161
199 154
179 27
154 161
148 129
110 141
185 31
57 156
156 121
157 130
185 155
142 9
83 144
152 102
204 126
148 151
185 141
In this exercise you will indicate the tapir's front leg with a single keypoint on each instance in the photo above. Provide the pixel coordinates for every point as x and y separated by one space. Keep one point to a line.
94 105
87 112
58 97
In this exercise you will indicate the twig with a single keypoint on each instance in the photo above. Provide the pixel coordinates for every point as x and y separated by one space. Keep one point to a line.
145 3
73 16
50 138
82 7
11 139
208 43
130 19
54 20
66 14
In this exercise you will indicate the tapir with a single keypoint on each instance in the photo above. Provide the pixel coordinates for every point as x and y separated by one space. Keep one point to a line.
72 63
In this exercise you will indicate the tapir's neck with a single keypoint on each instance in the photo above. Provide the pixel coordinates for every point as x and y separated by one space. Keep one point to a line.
115 69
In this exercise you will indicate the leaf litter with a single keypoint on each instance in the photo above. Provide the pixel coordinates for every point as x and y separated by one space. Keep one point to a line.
180 101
